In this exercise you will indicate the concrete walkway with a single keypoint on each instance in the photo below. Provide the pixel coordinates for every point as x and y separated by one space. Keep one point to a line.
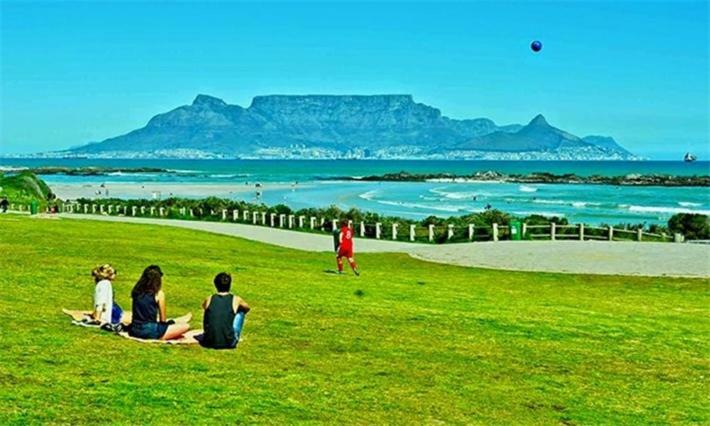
588 257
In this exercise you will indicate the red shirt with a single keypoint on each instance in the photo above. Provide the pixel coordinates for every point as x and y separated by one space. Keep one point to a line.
346 242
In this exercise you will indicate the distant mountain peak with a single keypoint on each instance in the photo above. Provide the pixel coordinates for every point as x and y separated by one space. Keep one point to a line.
343 126
208 100
539 120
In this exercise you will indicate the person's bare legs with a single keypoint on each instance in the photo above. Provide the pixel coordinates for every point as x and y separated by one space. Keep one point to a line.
353 265
183 319
175 331
77 315
126 317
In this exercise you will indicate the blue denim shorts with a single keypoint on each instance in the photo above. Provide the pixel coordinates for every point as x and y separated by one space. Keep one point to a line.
148 330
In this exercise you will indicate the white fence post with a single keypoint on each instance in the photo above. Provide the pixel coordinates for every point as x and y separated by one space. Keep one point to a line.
450 232
553 231
133 210
245 215
431 232
254 217
471 230
272 219
394 230
639 234
93 209
110 209
301 221
142 210
192 214
677 237
495 232
152 211
162 211
263 218
224 214
412 233
290 221
525 230
235 215
611 233
282 220
86 208
581 232
362 229
313 223
334 223
378 230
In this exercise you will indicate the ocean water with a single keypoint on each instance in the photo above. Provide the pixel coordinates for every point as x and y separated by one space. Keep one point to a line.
594 204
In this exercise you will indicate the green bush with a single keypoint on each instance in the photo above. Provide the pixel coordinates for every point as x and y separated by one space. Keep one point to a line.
694 226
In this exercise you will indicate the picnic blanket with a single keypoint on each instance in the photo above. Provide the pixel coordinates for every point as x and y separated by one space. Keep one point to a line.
82 319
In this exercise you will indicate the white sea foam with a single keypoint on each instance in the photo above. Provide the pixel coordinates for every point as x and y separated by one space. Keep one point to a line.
689 204
546 214
667 210
369 195
438 207
526 188
556 202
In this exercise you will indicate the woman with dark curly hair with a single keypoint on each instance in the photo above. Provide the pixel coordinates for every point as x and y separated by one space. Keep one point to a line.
149 309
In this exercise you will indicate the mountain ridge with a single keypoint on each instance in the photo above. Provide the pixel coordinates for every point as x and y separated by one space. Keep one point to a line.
342 126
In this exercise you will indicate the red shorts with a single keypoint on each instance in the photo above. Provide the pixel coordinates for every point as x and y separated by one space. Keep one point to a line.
345 252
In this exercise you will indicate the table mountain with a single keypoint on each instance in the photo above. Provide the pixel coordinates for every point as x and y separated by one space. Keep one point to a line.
330 126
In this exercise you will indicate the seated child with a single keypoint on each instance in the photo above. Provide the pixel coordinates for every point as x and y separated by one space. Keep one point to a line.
224 315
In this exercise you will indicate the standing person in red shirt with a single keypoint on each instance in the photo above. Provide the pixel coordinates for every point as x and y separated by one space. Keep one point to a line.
345 248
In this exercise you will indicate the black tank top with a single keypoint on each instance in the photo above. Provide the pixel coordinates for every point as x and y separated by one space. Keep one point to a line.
145 309
218 322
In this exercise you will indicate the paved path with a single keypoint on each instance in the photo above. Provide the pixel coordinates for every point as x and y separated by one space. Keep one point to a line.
588 257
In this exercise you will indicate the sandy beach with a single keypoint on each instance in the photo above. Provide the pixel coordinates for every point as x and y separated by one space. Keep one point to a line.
160 190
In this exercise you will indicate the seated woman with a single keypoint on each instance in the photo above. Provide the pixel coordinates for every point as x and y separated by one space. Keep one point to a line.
106 310
149 309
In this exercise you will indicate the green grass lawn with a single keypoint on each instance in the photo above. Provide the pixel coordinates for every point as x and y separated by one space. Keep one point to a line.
408 342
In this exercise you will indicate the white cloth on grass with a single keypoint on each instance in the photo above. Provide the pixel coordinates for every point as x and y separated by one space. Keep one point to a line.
103 300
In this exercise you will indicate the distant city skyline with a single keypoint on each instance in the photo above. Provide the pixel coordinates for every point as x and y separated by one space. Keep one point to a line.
77 72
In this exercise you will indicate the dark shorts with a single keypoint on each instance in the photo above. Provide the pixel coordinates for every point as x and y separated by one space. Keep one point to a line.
148 330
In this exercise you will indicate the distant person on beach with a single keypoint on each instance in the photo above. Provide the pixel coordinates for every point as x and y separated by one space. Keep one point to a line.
4 204
345 248
224 315
150 310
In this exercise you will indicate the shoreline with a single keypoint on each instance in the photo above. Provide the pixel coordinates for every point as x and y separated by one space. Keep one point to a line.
537 178
158 190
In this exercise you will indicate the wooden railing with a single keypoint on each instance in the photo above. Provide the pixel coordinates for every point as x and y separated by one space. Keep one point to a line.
393 231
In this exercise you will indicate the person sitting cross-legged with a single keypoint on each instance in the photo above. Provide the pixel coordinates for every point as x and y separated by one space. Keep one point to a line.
224 315
149 309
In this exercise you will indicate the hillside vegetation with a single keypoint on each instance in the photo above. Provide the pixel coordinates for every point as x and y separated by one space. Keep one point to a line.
24 187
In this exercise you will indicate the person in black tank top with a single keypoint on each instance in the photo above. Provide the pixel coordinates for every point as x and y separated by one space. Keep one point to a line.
224 315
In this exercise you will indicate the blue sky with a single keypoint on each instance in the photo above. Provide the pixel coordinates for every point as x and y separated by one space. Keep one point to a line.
637 71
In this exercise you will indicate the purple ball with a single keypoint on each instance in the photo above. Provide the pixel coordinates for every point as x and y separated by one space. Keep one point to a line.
536 46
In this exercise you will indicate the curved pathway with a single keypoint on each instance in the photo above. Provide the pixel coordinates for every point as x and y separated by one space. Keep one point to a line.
588 257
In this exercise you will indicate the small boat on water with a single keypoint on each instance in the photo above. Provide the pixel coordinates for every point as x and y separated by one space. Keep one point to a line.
689 158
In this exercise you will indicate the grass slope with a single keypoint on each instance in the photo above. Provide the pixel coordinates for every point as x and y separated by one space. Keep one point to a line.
408 342
23 188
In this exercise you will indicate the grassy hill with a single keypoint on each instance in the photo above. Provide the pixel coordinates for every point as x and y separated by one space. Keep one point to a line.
408 342
24 187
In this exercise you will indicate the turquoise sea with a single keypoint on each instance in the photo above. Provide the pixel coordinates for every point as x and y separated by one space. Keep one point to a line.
304 186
